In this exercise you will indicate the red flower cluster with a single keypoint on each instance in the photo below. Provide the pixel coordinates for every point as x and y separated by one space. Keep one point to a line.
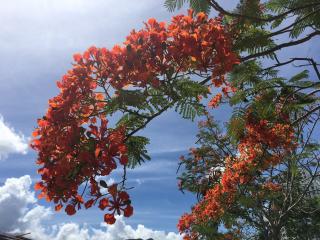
120 202
73 148
215 101
277 138
70 158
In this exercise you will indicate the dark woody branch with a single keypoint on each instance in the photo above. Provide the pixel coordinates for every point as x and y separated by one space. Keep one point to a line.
221 10
311 61
280 46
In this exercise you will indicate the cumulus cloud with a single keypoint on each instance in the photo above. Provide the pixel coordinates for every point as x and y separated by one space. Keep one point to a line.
119 231
15 196
23 214
122 231
10 141
19 210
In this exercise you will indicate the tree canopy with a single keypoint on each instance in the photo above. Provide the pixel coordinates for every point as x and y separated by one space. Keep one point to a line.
255 176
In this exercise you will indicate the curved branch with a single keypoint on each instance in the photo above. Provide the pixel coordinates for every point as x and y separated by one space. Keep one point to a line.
313 63
220 9
280 46
306 115
303 194
149 119
287 28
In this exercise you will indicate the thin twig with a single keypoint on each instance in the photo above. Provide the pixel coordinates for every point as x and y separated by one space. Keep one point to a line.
280 46
220 9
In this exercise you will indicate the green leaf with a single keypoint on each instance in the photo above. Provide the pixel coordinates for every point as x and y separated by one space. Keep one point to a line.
238 97
236 125
277 23
196 5
200 6
131 121
103 184
137 153
189 110
131 97
187 88
302 75
245 73
172 5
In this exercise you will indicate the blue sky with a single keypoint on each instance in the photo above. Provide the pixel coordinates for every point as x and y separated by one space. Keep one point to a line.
38 39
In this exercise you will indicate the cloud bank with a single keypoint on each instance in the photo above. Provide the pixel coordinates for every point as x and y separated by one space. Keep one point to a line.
10 141
23 214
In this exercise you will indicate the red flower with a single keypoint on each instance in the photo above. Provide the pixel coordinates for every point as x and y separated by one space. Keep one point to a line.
89 203
215 101
113 189
70 209
109 218
73 147
103 203
259 135
124 159
58 207
123 196
128 211
38 186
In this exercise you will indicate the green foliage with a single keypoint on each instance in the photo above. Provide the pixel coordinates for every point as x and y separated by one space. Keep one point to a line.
188 92
137 153
158 100
214 146
236 125
172 5
131 121
245 73
239 96
132 98
305 17
301 75
306 224
254 40
187 88
196 5
189 110
199 5
208 231
259 29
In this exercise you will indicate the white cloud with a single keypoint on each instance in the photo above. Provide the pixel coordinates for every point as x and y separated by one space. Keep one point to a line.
23 214
45 25
10 141
15 196
120 231
72 231
163 166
